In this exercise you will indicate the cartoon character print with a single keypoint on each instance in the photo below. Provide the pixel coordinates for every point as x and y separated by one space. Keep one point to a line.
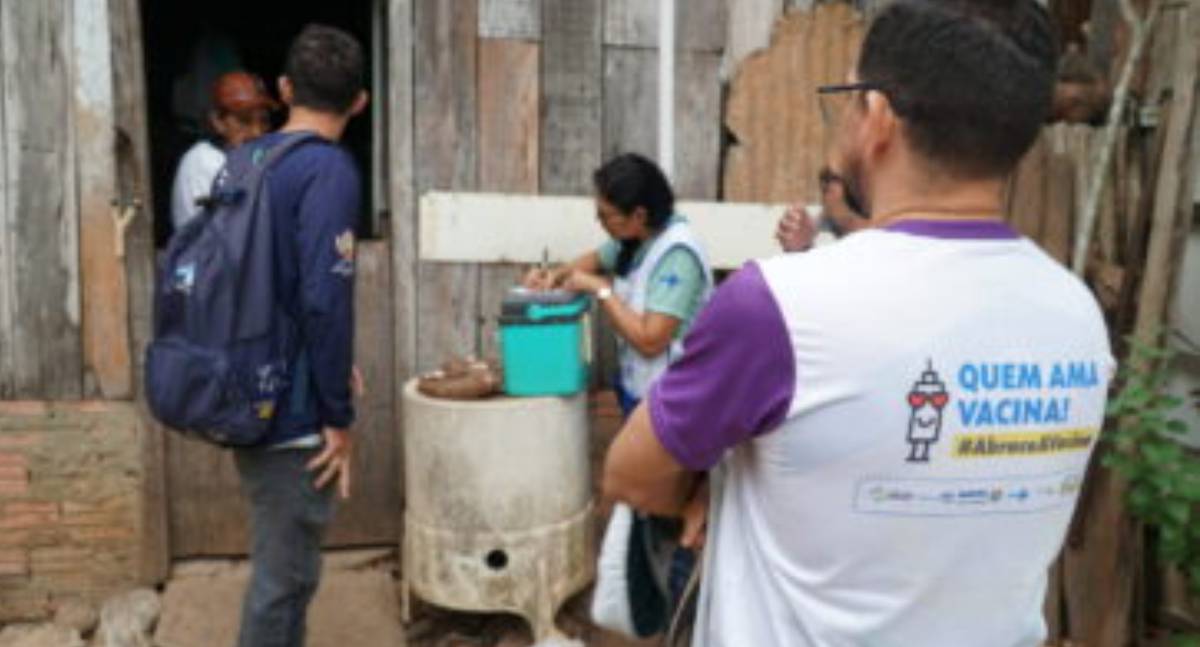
927 399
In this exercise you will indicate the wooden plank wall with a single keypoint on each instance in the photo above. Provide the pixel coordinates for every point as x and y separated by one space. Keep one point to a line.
773 114
529 96
40 347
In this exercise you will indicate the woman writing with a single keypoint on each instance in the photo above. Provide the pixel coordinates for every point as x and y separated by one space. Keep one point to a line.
651 279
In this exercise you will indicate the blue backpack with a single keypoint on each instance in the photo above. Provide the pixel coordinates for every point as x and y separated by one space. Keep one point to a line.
223 352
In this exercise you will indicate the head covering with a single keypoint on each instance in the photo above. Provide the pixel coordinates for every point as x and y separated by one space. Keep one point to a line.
241 92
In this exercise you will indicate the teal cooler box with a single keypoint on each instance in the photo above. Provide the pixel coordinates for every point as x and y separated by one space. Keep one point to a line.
542 342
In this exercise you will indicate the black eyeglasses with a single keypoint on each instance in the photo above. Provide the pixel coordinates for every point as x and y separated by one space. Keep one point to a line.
831 108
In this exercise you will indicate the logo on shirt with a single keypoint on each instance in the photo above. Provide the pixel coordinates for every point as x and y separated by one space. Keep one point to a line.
927 399
185 278
671 280
344 244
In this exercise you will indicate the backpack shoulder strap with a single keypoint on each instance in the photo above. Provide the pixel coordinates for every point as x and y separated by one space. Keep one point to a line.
290 142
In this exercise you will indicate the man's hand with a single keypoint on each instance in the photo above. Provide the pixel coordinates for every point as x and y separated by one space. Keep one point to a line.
334 461
796 230
695 519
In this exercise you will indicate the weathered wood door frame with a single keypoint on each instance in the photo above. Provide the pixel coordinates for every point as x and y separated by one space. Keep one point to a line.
204 512
132 195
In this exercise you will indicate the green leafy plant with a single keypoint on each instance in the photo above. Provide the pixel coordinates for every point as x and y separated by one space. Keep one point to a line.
1163 476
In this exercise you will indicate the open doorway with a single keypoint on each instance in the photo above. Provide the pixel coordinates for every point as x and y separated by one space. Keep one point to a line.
189 44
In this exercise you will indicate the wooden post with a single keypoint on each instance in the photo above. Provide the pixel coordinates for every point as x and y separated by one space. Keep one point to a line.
1173 182
1142 29
446 145
133 179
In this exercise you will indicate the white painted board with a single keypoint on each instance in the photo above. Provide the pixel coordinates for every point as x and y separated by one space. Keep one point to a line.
504 228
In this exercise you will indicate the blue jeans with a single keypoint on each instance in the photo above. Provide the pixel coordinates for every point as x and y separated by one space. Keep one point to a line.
288 521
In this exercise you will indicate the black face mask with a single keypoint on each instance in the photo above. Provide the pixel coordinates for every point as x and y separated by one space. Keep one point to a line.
855 202
852 196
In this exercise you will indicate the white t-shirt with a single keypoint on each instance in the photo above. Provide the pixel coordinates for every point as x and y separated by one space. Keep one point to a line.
899 425
197 170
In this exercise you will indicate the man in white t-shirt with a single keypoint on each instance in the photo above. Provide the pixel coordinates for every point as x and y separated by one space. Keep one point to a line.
896 427
240 112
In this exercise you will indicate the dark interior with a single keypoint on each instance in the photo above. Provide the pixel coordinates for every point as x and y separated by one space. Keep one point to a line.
188 44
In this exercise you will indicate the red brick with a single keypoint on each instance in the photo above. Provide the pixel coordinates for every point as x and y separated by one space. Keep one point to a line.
24 408
14 488
28 520
44 508
14 563
17 441
13 459
60 560
89 534
14 473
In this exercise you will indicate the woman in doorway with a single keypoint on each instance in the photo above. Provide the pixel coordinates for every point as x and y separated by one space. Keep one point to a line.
651 279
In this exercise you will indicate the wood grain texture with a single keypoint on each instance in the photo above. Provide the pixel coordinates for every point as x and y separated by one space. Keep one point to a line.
208 517
133 179
631 114
773 113
446 146
572 72
572 125
521 19
40 347
509 152
748 30
1027 190
402 184
1060 209
206 514
1173 186
103 281
630 101
373 514
698 126
699 24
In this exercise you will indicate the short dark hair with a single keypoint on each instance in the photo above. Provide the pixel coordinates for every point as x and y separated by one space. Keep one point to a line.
972 80
325 66
629 181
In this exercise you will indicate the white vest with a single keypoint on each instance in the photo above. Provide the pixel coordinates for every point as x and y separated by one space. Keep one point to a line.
638 373
948 395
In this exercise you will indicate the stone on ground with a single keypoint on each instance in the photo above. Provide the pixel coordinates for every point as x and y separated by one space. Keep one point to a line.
40 636
126 620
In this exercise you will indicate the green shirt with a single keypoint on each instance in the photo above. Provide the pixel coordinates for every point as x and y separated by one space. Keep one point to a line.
676 284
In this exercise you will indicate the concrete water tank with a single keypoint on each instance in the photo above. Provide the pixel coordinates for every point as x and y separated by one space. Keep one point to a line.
499 504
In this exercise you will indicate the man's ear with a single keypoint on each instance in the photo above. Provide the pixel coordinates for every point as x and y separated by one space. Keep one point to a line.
287 91
881 127
360 103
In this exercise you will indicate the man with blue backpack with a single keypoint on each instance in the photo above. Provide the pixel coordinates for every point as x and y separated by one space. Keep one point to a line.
254 327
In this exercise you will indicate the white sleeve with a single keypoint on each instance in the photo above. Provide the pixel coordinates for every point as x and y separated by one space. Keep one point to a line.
194 180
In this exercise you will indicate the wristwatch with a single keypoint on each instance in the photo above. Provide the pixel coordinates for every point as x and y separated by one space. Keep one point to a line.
604 293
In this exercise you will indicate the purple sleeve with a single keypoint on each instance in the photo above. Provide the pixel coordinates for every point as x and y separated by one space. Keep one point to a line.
735 379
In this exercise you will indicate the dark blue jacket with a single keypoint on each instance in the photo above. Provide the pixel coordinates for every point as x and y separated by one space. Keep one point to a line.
315 193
